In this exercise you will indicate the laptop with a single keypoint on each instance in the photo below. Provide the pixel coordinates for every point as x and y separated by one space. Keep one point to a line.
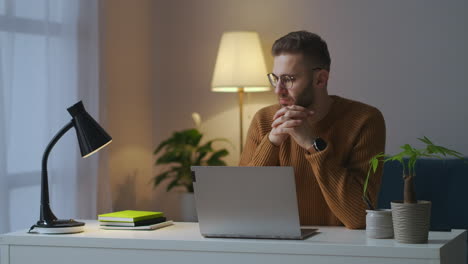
247 202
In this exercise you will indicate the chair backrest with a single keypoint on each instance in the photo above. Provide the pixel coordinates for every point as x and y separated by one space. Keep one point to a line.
443 182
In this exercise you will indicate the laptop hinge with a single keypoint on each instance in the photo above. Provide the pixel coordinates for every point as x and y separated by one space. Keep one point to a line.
193 176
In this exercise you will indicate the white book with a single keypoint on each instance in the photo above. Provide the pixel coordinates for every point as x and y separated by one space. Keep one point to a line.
147 227
139 223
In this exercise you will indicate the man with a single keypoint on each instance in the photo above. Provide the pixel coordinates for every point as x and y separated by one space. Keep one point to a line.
327 139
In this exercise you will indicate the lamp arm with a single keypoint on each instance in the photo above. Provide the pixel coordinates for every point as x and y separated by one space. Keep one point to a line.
46 212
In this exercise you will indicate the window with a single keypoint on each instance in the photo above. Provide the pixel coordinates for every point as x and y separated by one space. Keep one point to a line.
38 80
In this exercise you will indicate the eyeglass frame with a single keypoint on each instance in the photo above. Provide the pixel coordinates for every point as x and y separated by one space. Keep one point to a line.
291 77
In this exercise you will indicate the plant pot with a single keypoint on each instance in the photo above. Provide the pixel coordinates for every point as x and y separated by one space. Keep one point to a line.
411 221
188 211
379 223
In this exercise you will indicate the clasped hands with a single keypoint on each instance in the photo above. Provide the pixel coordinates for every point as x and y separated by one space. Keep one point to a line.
295 121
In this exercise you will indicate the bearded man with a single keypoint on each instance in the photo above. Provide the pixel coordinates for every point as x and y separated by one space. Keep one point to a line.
328 139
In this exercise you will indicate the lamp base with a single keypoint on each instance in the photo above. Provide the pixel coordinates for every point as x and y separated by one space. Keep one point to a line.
68 226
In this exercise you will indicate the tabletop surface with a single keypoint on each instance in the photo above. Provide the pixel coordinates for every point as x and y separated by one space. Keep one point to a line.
186 236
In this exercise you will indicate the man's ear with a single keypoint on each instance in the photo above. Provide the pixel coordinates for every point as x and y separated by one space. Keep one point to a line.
322 78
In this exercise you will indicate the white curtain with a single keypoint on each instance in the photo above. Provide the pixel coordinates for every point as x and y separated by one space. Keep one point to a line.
49 60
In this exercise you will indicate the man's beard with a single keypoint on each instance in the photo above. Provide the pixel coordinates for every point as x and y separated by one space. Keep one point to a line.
306 97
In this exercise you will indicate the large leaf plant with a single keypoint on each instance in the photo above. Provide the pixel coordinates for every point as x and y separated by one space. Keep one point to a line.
181 151
408 158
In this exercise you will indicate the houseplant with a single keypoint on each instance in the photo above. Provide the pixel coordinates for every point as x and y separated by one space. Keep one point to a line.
410 217
182 150
177 154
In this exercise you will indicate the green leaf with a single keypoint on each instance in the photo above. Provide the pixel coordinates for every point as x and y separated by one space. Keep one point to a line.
398 157
216 162
205 148
215 159
163 144
191 137
219 154
374 163
431 149
169 157
173 184
200 157
161 177
407 148
439 151
426 140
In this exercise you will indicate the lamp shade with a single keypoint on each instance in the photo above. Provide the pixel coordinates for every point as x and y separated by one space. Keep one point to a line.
240 64
91 136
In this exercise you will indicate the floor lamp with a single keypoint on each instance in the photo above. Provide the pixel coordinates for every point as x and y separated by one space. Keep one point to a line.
240 68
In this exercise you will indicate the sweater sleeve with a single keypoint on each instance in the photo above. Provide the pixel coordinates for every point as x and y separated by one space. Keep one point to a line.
342 185
258 150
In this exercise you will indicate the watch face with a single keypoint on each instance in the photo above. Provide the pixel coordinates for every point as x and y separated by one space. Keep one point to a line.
320 144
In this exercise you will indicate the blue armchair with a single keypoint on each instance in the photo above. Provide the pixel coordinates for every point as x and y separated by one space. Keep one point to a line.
443 182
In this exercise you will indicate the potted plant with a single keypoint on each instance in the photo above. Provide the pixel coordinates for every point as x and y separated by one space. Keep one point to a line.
411 218
177 154
183 150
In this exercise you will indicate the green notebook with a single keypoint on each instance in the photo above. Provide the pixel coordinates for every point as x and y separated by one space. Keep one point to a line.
129 216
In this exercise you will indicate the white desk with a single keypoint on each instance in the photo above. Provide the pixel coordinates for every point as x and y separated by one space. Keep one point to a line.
182 243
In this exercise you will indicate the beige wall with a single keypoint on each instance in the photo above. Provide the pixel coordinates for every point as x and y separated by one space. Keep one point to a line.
187 36
409 59
128 65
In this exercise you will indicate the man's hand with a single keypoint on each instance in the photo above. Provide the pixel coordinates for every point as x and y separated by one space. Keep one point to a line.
295 121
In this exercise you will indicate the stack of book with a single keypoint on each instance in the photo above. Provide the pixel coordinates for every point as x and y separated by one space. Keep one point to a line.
130 219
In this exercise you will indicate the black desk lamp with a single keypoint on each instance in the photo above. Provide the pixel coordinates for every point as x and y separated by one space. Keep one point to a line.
91 138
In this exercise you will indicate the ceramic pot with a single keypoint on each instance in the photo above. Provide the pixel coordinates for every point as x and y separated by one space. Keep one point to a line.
411 221
379 223
188 211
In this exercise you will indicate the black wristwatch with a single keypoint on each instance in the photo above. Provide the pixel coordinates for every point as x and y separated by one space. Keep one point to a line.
319 144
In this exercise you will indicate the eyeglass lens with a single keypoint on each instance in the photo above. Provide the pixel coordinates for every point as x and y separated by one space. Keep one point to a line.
285 80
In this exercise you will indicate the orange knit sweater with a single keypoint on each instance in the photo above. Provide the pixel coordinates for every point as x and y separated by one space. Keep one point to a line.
329 183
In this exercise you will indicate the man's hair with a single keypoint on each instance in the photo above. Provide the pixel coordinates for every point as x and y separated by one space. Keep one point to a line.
311 45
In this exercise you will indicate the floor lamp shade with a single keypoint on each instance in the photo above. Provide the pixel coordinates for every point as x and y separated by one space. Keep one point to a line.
240 64
240 67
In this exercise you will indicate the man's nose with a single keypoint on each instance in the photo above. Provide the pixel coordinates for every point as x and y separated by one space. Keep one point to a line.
279 88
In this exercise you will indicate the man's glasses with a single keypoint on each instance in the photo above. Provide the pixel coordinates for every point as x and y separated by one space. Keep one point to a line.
286 81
